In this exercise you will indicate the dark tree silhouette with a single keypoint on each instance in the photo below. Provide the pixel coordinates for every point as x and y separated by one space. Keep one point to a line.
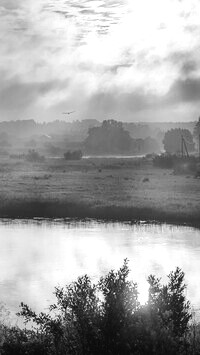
196 132
173 138
75 155
110 138
107 318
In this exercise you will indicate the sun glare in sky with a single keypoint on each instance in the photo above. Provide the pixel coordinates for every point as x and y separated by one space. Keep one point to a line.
138 59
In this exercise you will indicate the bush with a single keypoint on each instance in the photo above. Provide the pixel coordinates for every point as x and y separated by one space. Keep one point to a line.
181 165
75 155
106 318
34 156
165 161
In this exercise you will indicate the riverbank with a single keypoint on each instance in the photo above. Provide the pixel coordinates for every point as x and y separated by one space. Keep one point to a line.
63 209
109 189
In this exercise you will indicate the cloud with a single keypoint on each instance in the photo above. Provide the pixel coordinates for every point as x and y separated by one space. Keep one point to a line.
9 4
187 90
17 95
189 67
99 56
179 103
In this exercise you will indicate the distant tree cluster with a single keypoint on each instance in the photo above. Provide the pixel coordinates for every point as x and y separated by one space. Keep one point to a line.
34 156
73 155
196 132
173 139
148 145
52 149
107 319
113 138
110 138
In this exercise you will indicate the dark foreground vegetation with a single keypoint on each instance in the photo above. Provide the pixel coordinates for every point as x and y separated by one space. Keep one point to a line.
106 318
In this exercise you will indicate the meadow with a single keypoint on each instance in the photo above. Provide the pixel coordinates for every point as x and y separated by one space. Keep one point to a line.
108 188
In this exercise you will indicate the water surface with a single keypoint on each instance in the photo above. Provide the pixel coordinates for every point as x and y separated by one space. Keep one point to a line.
35 256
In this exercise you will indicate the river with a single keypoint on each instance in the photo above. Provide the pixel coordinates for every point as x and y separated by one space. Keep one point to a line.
37 255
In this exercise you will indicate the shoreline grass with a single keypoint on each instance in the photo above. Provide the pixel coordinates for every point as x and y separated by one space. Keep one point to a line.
62 209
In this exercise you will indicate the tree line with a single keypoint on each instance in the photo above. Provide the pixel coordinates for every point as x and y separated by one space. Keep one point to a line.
112 138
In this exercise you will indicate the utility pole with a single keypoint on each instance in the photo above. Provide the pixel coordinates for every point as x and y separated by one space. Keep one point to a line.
182 146
185 145
199 145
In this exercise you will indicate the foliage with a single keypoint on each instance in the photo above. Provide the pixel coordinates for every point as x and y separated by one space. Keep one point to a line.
75 155
196 132
34 156
169 315
150 145
110 138
52 149
173 138
107 318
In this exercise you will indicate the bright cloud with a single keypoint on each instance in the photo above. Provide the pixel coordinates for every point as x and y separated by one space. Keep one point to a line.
138 59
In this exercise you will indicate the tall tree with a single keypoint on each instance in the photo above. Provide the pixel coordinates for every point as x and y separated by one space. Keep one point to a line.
196 131
110 138
173 139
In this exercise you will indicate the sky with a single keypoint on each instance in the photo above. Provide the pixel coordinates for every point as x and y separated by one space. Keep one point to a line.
129 60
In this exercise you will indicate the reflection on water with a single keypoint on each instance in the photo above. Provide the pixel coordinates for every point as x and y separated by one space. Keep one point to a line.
35 256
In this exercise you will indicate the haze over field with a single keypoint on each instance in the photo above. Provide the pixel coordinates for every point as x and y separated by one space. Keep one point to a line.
122 59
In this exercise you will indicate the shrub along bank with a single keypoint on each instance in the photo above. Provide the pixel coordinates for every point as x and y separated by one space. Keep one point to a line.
106 318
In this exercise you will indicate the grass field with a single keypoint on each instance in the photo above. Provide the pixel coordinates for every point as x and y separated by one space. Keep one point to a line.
123 189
